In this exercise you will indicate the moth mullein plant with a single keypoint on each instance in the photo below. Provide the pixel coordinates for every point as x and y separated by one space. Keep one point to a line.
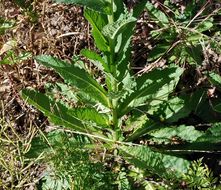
120 109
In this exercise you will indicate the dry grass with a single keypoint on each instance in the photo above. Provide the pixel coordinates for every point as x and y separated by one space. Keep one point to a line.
17 172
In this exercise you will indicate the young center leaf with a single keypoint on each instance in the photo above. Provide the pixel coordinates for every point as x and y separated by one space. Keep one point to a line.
123 45
77 77
97 21
113 29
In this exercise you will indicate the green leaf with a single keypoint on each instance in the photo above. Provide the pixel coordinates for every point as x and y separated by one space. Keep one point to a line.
205 25
215 79
138 9
135 122
5 25
194 99
123 56
123 44
200 106
118 8
206 112
194 54
217 107
9 58
77 77
158 51
89 116
157 14
127 84
123 40
122 181
122 49
161 164
144 130
51 180
190 11
215 130
113 29
56 112
55 139
167 112
212 135
102 6
186 133
152 88
24 56
170 110
96 59
68 93
97 21
194 37
208 142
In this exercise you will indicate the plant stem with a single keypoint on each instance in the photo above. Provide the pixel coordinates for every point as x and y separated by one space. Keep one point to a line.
115 119
114 87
